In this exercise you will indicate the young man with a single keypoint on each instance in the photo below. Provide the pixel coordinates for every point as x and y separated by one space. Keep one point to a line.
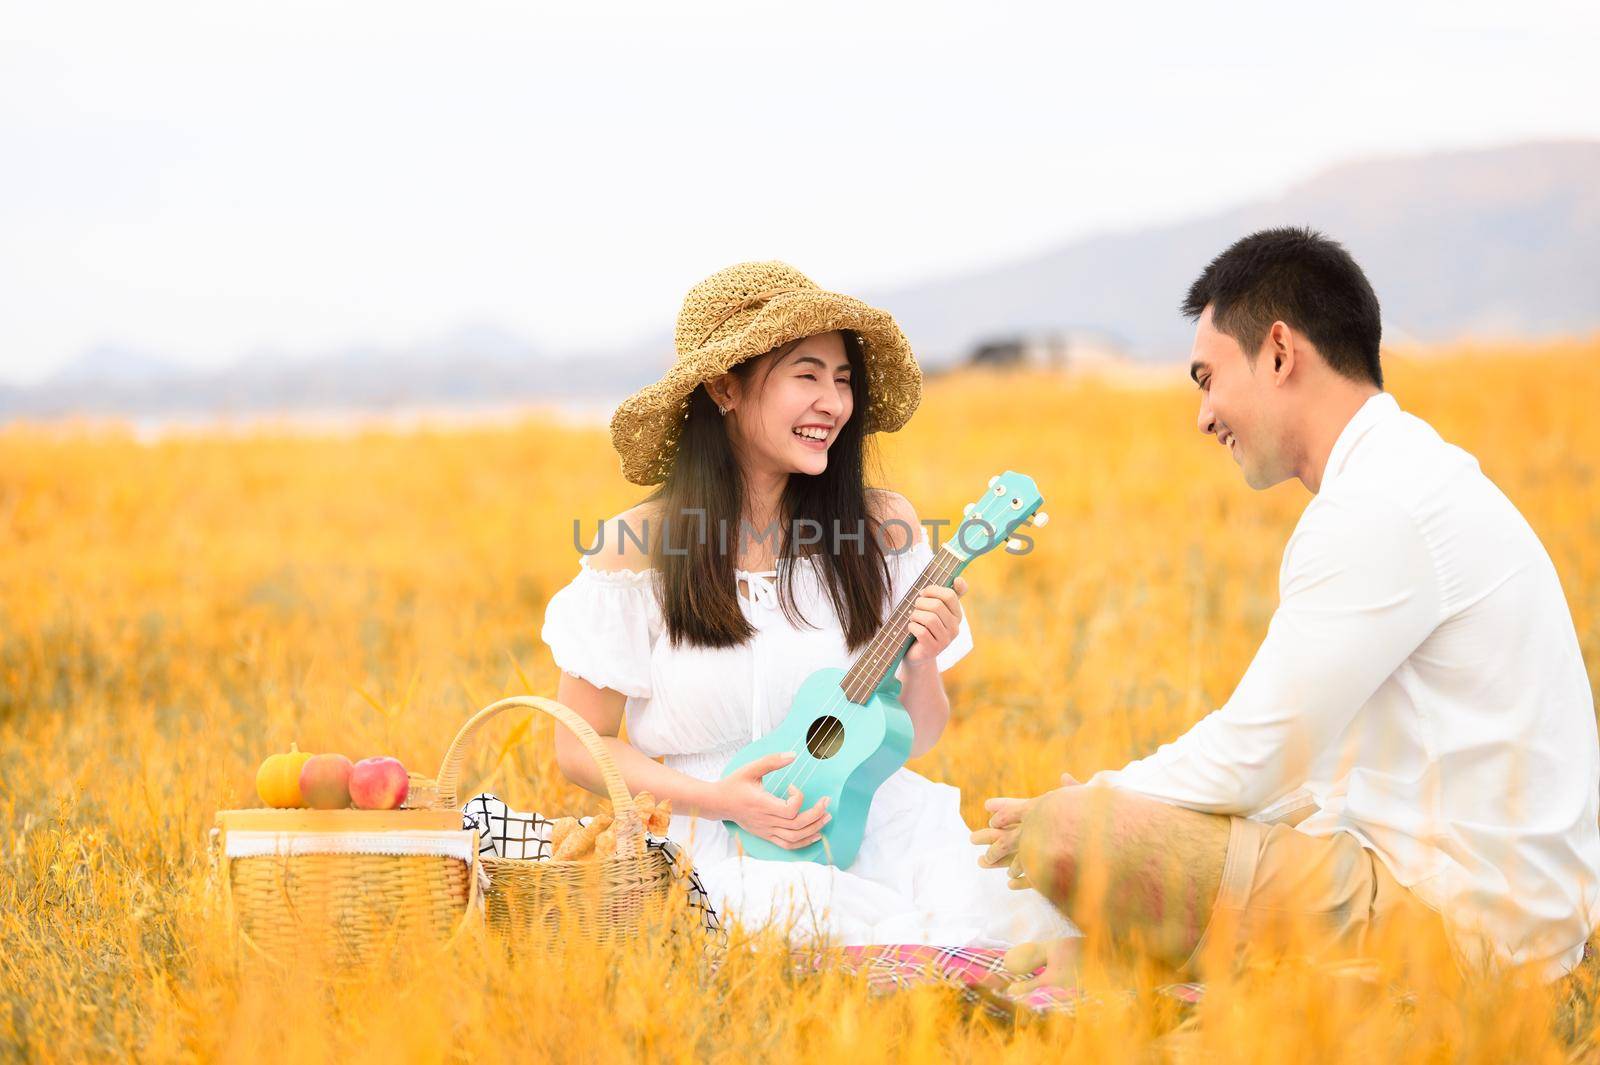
1415 738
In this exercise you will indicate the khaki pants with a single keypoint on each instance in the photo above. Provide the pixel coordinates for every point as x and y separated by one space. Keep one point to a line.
1325 897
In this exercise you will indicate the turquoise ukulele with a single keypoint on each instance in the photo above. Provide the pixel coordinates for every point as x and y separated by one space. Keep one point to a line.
847 727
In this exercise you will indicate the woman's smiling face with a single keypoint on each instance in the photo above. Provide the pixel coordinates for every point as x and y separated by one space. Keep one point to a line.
789 411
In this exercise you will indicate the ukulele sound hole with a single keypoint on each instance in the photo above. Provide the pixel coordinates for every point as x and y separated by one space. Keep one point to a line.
825 737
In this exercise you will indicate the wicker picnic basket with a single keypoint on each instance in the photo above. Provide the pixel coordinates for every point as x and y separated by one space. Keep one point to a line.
346 885
536 905
338 889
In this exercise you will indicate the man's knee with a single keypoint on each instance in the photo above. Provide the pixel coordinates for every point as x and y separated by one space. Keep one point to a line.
1050 846
1102 855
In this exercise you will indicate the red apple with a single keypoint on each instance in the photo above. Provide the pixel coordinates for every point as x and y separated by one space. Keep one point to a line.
325 781
379 784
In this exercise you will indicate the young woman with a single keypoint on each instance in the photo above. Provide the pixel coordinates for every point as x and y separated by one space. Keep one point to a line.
700 638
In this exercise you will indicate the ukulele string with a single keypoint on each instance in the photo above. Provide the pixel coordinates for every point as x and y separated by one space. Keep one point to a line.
786 781
938 574
941 570
793 770
798 773
906 606
938 566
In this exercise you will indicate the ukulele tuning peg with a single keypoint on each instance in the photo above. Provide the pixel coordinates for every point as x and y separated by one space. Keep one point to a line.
1014 544
1041 519
967 510
993 479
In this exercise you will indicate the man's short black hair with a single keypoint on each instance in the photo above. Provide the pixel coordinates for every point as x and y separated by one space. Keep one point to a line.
1298 276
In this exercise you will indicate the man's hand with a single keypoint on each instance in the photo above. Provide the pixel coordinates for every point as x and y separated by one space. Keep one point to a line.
1003 832
1005 826
1060 958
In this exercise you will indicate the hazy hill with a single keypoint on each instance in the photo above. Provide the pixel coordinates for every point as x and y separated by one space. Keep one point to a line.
1495 242
1502 242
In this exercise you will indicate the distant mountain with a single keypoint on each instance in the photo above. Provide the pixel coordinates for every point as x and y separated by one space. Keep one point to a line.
1503 241
114 364
473 366
1497 242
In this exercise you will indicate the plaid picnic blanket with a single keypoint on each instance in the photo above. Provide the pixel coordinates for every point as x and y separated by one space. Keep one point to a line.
976 972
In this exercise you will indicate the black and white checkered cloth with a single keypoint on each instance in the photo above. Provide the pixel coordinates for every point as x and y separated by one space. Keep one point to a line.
504 832
507 833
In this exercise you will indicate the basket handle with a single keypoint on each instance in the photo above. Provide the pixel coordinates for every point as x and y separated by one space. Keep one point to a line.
450 771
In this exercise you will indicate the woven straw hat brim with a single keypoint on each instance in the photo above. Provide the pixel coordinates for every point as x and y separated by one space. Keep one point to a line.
646 425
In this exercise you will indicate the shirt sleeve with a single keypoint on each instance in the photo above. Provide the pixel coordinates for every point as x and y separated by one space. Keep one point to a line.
602 626
1358 593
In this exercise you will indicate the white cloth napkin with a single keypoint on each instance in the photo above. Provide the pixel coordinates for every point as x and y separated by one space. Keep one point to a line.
251 843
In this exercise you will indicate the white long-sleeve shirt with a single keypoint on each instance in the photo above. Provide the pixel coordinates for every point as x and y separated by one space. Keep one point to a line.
1420 682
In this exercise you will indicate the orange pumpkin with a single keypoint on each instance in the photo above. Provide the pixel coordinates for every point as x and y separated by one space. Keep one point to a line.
278 779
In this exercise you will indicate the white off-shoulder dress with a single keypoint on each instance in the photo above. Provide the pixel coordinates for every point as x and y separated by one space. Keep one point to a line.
916 878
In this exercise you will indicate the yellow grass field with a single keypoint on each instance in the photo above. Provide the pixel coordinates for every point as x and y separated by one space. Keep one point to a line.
171 612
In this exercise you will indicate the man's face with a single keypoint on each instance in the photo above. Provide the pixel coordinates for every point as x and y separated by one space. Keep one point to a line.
1238 404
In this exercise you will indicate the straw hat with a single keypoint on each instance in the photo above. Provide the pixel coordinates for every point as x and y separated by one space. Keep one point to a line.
745 311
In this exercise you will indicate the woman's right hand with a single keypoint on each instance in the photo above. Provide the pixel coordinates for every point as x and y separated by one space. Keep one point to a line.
747 803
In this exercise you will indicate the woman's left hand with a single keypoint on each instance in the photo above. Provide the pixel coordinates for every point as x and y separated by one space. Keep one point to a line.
935 619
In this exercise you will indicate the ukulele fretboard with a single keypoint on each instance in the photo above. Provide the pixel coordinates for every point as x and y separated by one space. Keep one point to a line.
883 651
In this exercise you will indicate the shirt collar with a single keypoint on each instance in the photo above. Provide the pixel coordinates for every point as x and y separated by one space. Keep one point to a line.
1370 413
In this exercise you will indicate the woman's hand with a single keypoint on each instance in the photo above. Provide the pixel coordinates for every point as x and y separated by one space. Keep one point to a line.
742 799
935 619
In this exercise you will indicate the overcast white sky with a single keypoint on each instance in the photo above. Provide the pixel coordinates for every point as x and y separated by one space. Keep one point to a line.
206 180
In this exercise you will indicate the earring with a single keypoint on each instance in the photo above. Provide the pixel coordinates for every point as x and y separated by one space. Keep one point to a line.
721 409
